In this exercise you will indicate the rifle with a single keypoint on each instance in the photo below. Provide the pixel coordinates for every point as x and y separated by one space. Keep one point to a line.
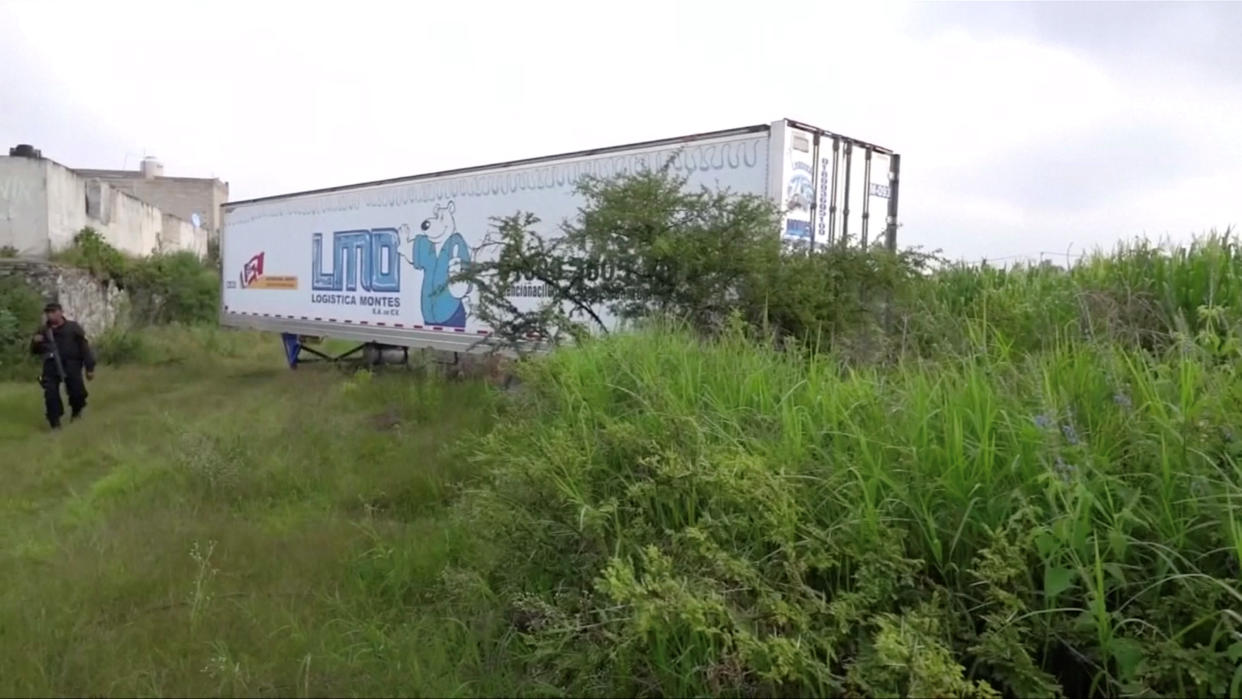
50 338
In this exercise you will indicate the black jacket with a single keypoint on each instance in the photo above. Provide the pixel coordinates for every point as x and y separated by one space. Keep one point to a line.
70 341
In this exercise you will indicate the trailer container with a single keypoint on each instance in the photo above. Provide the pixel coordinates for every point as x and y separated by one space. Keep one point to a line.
369 262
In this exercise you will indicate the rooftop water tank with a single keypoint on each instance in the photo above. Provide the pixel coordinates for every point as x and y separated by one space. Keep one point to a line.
25 150
151 168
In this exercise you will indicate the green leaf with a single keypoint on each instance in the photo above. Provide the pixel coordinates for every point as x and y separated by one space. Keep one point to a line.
1056 580
1117 541
1128 653
1046 543
1085 621
1116 572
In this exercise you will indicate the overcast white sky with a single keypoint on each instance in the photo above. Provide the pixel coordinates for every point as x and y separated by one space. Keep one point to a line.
1023 127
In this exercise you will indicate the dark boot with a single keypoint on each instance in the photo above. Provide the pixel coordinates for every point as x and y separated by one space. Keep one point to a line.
54 408
76 389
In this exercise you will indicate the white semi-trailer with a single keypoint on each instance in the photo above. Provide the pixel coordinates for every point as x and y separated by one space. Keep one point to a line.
369 262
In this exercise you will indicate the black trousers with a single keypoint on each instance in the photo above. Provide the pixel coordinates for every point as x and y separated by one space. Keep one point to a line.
74 386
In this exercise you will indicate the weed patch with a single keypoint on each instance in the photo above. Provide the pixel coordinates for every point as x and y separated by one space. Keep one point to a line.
674 517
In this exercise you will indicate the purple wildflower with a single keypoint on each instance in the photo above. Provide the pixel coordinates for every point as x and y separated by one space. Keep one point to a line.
1071 435
1063 470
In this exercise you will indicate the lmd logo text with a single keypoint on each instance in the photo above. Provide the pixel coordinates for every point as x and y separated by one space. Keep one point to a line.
366 259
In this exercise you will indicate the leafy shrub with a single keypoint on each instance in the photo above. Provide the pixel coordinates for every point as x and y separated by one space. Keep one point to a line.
20 309
8 251
674 517
10 328
174 287
642 244
835 297
11 337
96 255
213 253
164 287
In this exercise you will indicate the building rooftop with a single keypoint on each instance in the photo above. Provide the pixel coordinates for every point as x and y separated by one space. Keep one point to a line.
136 175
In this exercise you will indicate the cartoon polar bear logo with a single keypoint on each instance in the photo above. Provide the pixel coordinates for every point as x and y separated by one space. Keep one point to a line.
800 192
441 252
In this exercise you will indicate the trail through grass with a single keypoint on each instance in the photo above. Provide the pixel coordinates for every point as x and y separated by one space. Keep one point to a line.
227 526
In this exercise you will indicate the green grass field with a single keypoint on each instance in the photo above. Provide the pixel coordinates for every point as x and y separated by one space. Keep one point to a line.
223 525
1034 489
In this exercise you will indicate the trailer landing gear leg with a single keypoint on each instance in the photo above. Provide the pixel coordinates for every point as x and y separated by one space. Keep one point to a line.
293 348
372 352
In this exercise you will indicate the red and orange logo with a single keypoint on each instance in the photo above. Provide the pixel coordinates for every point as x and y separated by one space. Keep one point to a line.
252 276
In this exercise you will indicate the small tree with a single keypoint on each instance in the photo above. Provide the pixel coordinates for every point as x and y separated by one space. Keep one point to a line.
642 244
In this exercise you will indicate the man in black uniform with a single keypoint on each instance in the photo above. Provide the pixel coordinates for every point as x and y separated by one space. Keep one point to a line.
75 353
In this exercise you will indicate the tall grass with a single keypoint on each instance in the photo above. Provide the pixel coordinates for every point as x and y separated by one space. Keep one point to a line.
1138 294
1037 495
1019 482
680 518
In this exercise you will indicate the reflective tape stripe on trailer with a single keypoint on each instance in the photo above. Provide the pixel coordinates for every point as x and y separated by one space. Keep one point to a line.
360 322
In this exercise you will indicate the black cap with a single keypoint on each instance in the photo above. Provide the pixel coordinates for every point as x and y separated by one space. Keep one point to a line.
53 306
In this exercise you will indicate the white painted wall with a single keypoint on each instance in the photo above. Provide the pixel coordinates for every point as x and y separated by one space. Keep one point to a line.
128 224
182 235
23 206
43 205
180 196
66 211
